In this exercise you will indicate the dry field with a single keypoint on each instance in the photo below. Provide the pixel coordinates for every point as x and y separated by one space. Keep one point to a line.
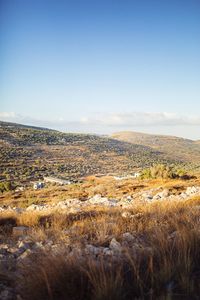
106 186
146 251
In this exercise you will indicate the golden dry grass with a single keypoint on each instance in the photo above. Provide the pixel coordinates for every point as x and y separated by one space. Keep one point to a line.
106 186
165 263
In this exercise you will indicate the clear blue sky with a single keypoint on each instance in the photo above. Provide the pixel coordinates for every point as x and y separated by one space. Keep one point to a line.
101 66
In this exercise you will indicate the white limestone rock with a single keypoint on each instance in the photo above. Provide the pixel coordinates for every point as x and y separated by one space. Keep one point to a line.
115 246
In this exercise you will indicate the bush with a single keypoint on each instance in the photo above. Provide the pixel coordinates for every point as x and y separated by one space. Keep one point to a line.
162 171
6 186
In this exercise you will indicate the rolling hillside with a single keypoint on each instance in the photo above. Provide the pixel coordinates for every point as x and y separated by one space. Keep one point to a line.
29 153
173 147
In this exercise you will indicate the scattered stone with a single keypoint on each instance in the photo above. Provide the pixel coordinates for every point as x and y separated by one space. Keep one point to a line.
34 207
147 197
164 193
22 244
126 214
76 252
90 249
115 246
127 236
174 235
22 247
192 190
107 252
18 210
137 216
13 250
25 254
129 198
183 196
20 231
38 245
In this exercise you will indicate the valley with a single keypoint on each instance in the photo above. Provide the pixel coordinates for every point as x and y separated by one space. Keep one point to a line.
126 204
29 154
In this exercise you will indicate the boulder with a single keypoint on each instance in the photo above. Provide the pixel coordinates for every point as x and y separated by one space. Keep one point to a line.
137 216
25 254
126 214
128 198
90 249
183 195
107 252
191 190
20 230
173 236
115 246
162 195
147 196
127 236
34 207
95 199
22 247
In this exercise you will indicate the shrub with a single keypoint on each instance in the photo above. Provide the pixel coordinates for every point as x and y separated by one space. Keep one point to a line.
162 171
6 186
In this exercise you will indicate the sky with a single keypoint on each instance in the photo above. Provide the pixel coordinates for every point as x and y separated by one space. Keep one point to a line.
101 66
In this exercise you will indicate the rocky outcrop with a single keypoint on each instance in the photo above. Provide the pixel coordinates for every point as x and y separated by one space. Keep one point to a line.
76 205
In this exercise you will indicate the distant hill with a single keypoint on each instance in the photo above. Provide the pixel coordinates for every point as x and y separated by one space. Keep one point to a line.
19 135
29 153
173 147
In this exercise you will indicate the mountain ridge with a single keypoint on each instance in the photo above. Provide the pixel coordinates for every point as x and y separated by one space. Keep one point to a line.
138 133
172 146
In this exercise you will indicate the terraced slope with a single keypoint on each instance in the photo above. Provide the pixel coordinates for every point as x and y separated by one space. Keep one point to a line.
173 147
28 153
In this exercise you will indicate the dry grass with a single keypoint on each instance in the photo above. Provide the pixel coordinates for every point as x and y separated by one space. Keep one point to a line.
163 262
101 221
106 186
170 270
164 265
7 222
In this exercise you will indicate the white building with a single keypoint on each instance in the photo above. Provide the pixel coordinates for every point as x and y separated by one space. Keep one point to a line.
38 185
135 175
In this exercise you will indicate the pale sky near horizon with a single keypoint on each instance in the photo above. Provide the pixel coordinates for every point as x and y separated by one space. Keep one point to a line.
101 66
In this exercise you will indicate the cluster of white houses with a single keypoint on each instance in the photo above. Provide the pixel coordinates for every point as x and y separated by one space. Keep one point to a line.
41 184
135 175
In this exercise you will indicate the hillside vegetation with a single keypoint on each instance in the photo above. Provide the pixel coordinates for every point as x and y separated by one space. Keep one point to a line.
29 153
101 237
173 147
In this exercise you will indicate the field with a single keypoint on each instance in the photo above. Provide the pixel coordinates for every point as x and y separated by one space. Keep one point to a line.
135 250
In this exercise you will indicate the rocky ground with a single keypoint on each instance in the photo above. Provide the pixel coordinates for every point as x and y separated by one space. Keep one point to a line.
17 249
75 205
17 253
